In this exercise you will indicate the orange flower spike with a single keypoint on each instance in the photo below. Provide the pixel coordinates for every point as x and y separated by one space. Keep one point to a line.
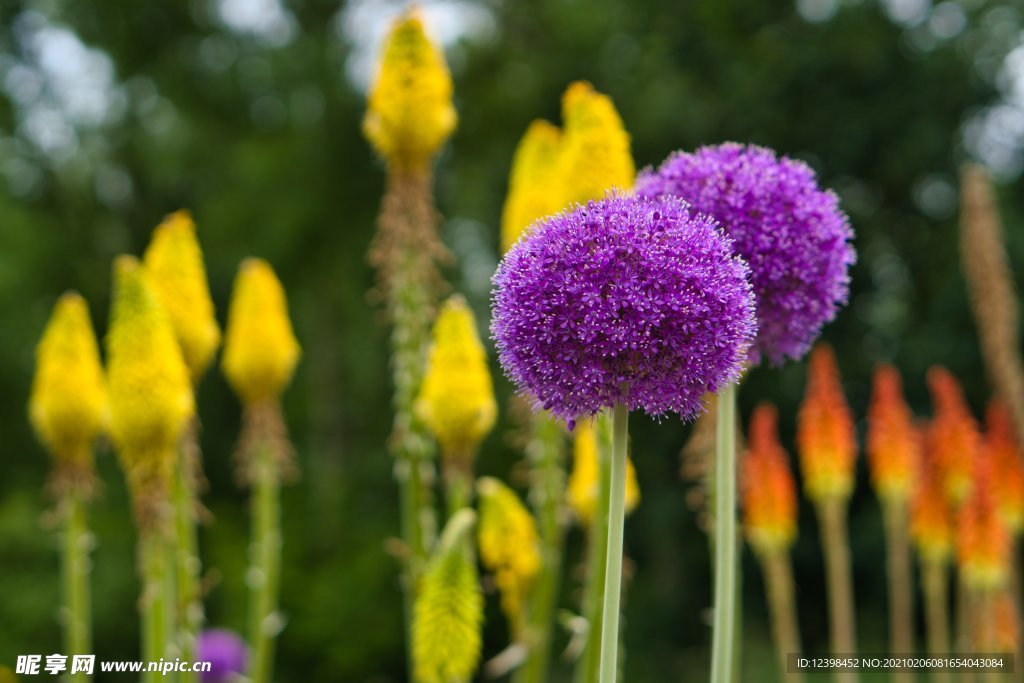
953 437
825 437
983 541
768 490
892 442
1007 466
931 517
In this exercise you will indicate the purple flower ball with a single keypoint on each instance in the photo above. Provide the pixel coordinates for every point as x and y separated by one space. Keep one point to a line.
226 652
792 234
625 299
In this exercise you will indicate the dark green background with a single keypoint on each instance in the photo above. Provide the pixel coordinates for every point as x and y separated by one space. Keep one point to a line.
262 143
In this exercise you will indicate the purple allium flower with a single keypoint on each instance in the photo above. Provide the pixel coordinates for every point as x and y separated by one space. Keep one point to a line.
226 652
791 233
625 299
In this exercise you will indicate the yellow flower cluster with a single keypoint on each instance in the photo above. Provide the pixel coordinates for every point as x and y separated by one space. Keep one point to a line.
449 610
533 185
553 169
583 486
260 349
456 400
174 261
150 392
595 146
410 112
68 403
508 543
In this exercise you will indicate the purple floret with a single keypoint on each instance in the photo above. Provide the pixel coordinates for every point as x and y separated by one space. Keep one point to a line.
226 652
792 234
625 299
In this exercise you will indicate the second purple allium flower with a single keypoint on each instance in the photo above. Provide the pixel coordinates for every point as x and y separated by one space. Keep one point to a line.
792 234
627 299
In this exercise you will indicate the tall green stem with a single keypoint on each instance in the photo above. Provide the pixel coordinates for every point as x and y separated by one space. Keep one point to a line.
597 539
264 620
613 555
901 593
778 579
725 538
75 569
546 450
187 565
157 599
935 585
839 580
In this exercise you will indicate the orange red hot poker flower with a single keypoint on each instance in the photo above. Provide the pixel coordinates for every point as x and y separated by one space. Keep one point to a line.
892 440
825 436
931 516
1007 466
953 437
769 493
983 541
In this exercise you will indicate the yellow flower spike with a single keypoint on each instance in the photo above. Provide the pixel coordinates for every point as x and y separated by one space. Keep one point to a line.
456 399
260 349
508 543
150 391
582 489
174 261
596 152
410 112
535 184
449 609
68 403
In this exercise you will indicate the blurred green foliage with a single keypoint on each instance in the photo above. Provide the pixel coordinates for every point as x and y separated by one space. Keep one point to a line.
256 130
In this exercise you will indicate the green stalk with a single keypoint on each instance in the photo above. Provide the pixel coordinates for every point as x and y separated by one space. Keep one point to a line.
722 637
778 579
187 564
75 570
458 480
901 594
265 621
546 451
839 581
157 600
935 585
613 556
597 540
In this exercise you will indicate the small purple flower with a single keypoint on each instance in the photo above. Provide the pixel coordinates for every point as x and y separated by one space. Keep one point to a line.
792 234
625 299
226 652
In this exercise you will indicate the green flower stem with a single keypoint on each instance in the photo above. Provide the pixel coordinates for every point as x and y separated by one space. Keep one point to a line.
546 451
839 580
778 578
723 634
458 481
935 586
901 588
187 564
157 599
405 253
265 572
597 539
75 569
613 562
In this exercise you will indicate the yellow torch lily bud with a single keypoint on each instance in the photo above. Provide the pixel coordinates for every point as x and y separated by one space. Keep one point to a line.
449 609
150 392
456 399
582 489
410 112
509 547
260 349
534 186
175 264
68 403
595 145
